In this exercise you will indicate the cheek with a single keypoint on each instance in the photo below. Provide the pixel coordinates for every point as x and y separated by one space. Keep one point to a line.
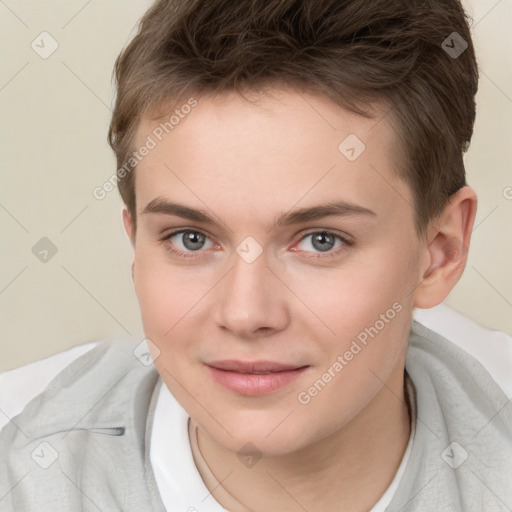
364 310
369 341
165 294
164 304
155 297
172 303
352 297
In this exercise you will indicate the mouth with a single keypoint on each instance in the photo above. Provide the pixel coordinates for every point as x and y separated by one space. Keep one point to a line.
254 378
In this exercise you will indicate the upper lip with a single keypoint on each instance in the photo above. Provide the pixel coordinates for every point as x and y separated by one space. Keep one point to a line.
253 366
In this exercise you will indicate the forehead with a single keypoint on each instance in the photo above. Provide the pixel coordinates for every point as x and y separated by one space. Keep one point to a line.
302 113
284 147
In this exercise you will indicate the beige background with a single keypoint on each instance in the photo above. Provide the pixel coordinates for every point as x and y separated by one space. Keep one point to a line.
54 119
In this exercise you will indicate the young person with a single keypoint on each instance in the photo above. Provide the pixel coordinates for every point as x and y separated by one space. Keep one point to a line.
294 186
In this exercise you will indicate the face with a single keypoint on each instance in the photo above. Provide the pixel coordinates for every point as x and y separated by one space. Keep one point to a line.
279 318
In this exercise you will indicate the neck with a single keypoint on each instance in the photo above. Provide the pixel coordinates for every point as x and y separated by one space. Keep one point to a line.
348 470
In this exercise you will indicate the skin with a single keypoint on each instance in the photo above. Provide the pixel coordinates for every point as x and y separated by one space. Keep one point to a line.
245 163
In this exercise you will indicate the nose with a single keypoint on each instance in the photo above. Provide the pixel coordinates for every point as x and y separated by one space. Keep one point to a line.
251 301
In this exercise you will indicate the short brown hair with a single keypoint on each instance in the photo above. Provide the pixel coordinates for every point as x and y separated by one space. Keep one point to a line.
355 52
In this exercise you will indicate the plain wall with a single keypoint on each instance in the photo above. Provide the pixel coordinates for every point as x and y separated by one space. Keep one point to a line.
55 114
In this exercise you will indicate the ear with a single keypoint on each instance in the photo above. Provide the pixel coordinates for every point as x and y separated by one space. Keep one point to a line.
447 249
128 225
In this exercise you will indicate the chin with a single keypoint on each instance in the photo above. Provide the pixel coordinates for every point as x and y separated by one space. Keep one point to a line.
264 436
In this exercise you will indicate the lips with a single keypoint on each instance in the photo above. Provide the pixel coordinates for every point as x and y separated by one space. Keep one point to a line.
253 378
253 367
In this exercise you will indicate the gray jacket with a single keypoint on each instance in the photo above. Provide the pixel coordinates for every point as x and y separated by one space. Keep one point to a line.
83 444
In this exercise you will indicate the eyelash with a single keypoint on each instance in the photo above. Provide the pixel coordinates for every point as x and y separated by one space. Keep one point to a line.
330 254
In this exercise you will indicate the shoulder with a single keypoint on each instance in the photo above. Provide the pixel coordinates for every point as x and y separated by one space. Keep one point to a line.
20 385
491 348
461 389
65 385
85 433
463 421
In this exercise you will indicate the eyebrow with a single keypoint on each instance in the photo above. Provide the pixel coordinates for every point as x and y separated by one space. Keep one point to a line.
301 215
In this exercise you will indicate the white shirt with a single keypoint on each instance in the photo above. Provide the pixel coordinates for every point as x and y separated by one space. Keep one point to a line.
171 456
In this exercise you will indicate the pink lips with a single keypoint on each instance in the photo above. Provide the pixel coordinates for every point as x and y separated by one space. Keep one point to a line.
254 377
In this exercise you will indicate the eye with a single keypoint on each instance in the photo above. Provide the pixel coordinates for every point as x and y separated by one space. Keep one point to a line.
186 241
323 242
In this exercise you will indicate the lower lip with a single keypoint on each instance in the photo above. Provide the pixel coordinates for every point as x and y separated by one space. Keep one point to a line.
252 384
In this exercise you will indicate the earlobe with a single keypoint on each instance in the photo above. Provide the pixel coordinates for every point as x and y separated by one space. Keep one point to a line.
447 249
